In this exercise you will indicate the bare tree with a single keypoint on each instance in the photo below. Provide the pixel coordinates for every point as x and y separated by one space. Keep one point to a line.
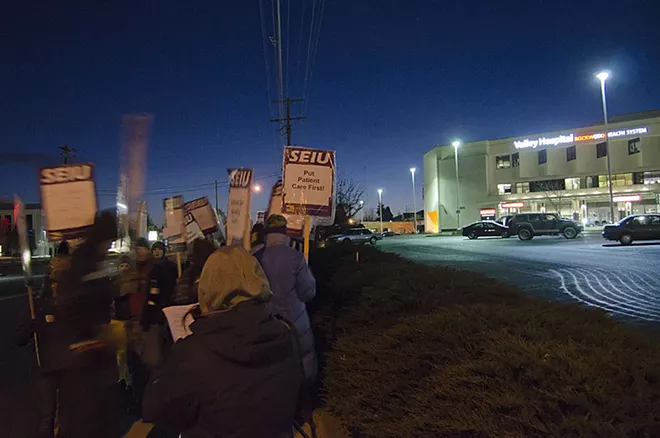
555 193
348 195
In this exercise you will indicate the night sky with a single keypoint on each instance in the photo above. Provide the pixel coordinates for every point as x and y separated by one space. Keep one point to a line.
391 80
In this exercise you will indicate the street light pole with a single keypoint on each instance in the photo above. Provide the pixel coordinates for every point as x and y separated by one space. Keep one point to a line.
602 76
456 145
361 212
380 203
412 172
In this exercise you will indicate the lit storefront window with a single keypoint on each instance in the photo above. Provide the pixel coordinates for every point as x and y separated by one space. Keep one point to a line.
618 180
652 177
503 189
522 187
572 183
503 161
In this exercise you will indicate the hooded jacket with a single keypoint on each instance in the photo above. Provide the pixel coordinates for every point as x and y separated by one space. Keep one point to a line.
237 376
293 285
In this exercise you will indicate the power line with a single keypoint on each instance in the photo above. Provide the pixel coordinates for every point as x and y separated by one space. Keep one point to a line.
265 45
182 189
313 53
300 42
288 44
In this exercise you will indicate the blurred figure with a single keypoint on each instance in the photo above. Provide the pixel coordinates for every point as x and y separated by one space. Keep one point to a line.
145 327
49 341
126 281
164 272
84 367
238 374
186 288
257 237
292 284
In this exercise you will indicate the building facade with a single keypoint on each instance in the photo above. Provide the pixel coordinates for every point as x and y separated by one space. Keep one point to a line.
561 172
34 224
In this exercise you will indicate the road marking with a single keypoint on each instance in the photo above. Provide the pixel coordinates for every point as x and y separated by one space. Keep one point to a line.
634 301
601 299
11 297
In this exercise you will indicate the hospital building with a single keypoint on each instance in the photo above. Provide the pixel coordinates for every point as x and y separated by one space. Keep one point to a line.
561 172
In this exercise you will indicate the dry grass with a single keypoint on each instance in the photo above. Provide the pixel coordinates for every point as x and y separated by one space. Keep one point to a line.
413 351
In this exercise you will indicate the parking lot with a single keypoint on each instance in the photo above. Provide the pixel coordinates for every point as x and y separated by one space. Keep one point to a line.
624 281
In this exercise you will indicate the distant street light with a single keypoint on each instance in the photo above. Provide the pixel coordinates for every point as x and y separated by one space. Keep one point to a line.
256 188
380 203
412 173
457 144
361 211
602 76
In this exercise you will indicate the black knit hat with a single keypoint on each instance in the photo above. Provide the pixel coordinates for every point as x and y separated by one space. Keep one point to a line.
104 227
276 223
63 248
141 241
158 245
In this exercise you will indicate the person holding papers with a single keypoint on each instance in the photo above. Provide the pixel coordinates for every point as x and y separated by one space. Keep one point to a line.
239 373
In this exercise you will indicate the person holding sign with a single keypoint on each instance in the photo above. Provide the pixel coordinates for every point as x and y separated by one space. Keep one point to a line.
292 284
238 374
86 370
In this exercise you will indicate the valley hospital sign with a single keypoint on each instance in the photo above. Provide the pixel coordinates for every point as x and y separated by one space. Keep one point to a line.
572 138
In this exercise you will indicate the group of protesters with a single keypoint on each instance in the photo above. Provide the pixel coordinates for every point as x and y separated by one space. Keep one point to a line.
105 351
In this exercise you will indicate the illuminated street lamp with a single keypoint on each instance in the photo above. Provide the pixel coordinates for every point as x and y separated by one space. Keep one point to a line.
412 172
457 144
256 188
361 211
380 203
602 76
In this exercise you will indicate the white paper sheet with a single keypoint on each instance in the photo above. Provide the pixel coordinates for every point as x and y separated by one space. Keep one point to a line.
179 327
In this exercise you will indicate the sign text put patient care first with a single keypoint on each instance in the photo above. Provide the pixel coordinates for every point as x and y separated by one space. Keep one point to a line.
308 181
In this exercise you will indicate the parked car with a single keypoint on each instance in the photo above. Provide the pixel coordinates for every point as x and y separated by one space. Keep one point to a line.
528 225
356 235
389 233
635 227
504 220
485 229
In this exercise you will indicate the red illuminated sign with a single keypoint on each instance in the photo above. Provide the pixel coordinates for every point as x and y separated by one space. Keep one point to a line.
627 198
487 212
512 205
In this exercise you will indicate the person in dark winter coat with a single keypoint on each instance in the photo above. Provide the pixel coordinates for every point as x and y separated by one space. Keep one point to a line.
83 361
164 271
145 329
239 373
292 284
49 339
186 287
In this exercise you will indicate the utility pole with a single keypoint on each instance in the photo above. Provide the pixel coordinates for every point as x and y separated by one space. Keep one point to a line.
67 153
288 119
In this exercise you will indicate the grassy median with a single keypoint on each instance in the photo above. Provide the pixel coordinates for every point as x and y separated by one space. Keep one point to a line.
416 351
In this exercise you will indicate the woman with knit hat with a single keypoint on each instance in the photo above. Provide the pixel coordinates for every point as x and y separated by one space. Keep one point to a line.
239 373
293 285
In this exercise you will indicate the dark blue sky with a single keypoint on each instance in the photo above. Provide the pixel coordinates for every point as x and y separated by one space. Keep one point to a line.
391 80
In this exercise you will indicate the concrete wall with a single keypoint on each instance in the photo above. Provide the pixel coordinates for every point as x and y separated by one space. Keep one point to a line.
431 190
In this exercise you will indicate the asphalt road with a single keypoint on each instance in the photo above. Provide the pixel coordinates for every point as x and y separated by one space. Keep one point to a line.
625 281
17 365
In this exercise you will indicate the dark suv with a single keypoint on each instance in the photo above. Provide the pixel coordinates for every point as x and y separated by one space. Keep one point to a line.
528 225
